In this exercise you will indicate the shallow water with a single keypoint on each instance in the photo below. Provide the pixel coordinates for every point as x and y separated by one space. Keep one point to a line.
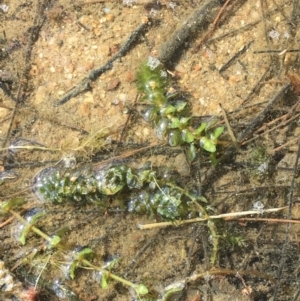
248 46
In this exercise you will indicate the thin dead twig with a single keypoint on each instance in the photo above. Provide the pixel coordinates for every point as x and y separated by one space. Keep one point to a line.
272 130
199 19
262 114
224 216
214 26
128 119
37 25
95 73
282 118
268 220
79 3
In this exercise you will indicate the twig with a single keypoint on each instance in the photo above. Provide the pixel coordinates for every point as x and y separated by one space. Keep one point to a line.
272 130
95 73
6 91
275 51
264 16
262 114
128 119
282 118
268 220
215 24
292 141
125 155
210 217
233 32
37 25
91 2
235 56
257 85
219 271
229 129
199 19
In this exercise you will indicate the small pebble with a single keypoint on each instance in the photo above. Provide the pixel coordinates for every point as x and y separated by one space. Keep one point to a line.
123 97
113 84
110 17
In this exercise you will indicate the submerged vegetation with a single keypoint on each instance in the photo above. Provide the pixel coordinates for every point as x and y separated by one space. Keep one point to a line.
170 115
116 186
149 195
120 189
140 191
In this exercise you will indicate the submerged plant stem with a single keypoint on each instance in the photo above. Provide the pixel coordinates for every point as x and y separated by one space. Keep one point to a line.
139 288
215 241
32 227
111 275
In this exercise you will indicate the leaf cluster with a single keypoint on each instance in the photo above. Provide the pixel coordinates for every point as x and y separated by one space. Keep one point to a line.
170 118
150 196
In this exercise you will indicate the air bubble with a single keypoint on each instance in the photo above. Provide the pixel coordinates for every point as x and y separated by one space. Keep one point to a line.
153 62
258 206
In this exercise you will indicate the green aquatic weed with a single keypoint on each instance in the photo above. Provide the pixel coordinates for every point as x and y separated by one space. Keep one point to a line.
171 119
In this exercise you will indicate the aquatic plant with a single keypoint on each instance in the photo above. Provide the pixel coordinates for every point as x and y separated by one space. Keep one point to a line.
170 116
149 195
73 258
31 216
260 162
139 191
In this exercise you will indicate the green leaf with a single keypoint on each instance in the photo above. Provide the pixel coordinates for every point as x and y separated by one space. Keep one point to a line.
201 128
27 228
35 217
175 138
146 175
78 258
202 199
84 253
168 294
172 95
161 127
150 113
6 206
187 136
167 110
112 263
208 144
140 289
54 240
210 124
113 180
24 234
191 153
184 120
218 131
104 283
213 159
180 105
175 123
156 98
72 269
